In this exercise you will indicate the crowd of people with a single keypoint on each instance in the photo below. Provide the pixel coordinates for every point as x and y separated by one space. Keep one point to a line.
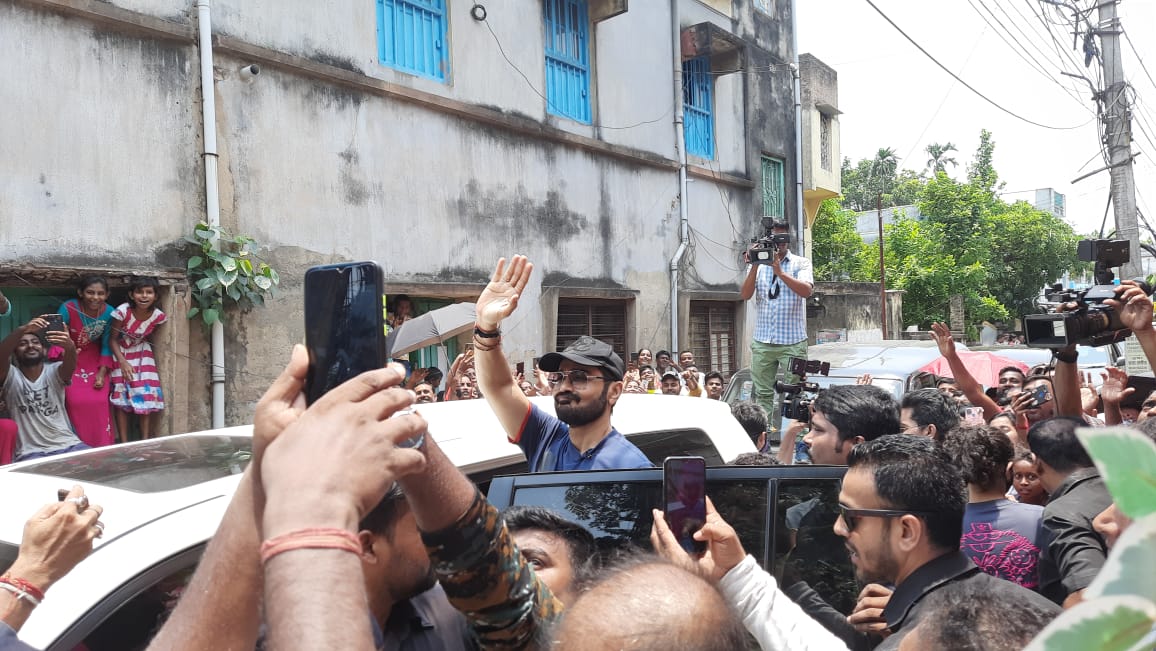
964 535
73 370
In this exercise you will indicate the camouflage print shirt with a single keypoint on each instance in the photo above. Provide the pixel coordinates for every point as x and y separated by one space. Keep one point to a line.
486 578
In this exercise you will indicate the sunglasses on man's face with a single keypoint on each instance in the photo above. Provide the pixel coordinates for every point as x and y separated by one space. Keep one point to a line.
578 378
851 516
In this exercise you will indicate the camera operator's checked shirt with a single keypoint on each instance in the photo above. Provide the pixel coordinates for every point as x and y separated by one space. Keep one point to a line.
781 320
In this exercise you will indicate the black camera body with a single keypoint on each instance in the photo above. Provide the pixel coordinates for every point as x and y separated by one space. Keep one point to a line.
764 249
797 398
1093 322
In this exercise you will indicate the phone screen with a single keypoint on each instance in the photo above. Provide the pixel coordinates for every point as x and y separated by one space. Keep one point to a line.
521 368
1040 395
684 491
973 416
344 326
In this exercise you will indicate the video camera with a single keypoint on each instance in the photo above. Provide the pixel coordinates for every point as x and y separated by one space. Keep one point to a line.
765 248
797 397
1093 322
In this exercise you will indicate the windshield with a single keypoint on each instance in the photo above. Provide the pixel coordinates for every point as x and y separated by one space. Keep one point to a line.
160 465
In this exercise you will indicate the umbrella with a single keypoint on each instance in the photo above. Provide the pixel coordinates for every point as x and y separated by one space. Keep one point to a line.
431 328
984 366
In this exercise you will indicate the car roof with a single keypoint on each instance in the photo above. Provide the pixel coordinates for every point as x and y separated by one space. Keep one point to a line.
896 359
141 481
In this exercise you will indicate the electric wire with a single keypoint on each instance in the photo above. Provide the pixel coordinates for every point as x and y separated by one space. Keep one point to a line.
965 84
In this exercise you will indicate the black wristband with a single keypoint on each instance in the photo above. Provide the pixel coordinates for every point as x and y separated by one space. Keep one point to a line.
482 334
1067 358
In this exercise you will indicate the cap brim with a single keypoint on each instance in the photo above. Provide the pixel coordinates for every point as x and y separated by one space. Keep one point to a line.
553 362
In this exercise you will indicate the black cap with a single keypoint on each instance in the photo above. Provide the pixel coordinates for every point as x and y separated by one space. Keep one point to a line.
670 373
586 351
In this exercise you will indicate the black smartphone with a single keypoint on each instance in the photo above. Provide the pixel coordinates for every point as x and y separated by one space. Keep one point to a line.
634 359
521 368
684 492
55 323
344 324
536 362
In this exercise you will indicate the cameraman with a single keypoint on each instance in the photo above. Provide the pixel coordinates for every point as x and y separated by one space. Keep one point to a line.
780 290
1134 309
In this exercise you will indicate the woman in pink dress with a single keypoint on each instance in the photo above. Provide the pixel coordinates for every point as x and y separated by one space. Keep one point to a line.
89 321
136 386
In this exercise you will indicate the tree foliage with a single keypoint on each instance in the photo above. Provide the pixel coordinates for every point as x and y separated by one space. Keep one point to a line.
967 242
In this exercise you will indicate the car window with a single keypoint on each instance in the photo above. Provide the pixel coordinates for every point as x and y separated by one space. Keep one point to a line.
806 547
690 442
619 513
132 614
161 465
8 553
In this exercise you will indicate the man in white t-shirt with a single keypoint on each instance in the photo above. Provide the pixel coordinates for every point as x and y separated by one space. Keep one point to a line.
34 389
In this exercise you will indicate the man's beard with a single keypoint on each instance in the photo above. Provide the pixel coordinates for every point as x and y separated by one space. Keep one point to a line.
580 412
25 362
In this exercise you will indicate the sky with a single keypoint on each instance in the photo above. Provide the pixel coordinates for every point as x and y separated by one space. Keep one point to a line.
892 95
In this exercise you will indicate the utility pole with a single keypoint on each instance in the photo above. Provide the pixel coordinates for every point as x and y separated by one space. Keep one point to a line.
882 272
1118 135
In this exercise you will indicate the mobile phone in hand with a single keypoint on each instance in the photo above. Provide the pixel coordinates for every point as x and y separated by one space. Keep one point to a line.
520 367
344 324
1040 395
684 504
55 323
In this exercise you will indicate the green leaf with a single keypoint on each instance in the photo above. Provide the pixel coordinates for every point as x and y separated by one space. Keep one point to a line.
272 274
205 283
203 233
195 261
228 263
262 282
1127 462
229 277
193 311
211 316
246 266
1131 565
1105 624
234 292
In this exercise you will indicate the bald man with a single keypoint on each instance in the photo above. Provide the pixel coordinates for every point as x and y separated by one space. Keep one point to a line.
647 603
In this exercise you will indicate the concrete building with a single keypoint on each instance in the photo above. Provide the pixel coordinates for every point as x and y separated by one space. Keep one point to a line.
431 136
822 157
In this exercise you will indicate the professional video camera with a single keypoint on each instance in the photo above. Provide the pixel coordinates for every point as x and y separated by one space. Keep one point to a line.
1092 323
797 397
766 247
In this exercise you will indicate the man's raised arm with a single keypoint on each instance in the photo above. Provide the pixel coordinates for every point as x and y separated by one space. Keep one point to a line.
498 300
963 377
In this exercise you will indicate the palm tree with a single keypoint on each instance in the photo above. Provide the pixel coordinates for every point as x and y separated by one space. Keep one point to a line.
883 168
939 159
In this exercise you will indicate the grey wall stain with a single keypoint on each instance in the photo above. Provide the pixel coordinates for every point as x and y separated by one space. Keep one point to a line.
511 215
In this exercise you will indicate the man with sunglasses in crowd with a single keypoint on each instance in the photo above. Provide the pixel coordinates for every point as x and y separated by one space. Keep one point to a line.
586 379
780 288
901 516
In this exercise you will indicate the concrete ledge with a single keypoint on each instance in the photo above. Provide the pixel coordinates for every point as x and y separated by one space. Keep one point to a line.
122 19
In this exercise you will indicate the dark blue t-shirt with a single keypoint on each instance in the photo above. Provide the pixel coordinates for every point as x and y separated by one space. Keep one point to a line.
1003 538
546 442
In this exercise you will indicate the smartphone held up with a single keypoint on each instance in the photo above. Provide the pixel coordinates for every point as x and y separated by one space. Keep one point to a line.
344 324
684 499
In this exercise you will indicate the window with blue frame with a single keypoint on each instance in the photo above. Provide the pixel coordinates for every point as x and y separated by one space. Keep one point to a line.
567 24
411 36
698 106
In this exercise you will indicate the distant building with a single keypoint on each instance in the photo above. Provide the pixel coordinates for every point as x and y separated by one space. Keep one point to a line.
1051 201
867 222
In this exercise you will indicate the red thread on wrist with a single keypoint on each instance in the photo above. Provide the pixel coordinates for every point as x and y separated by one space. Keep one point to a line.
23 585
317 538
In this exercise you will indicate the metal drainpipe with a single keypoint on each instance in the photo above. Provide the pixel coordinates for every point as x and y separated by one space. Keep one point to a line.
680 147
802 214
212 196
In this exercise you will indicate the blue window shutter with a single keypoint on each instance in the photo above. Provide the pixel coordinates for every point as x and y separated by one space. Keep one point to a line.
411 36
567 35
698 106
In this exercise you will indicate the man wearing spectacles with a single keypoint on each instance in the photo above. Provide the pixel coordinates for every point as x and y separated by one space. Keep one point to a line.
586 379
780 288
901 516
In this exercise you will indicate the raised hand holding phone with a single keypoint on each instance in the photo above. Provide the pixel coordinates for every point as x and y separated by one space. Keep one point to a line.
684 492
